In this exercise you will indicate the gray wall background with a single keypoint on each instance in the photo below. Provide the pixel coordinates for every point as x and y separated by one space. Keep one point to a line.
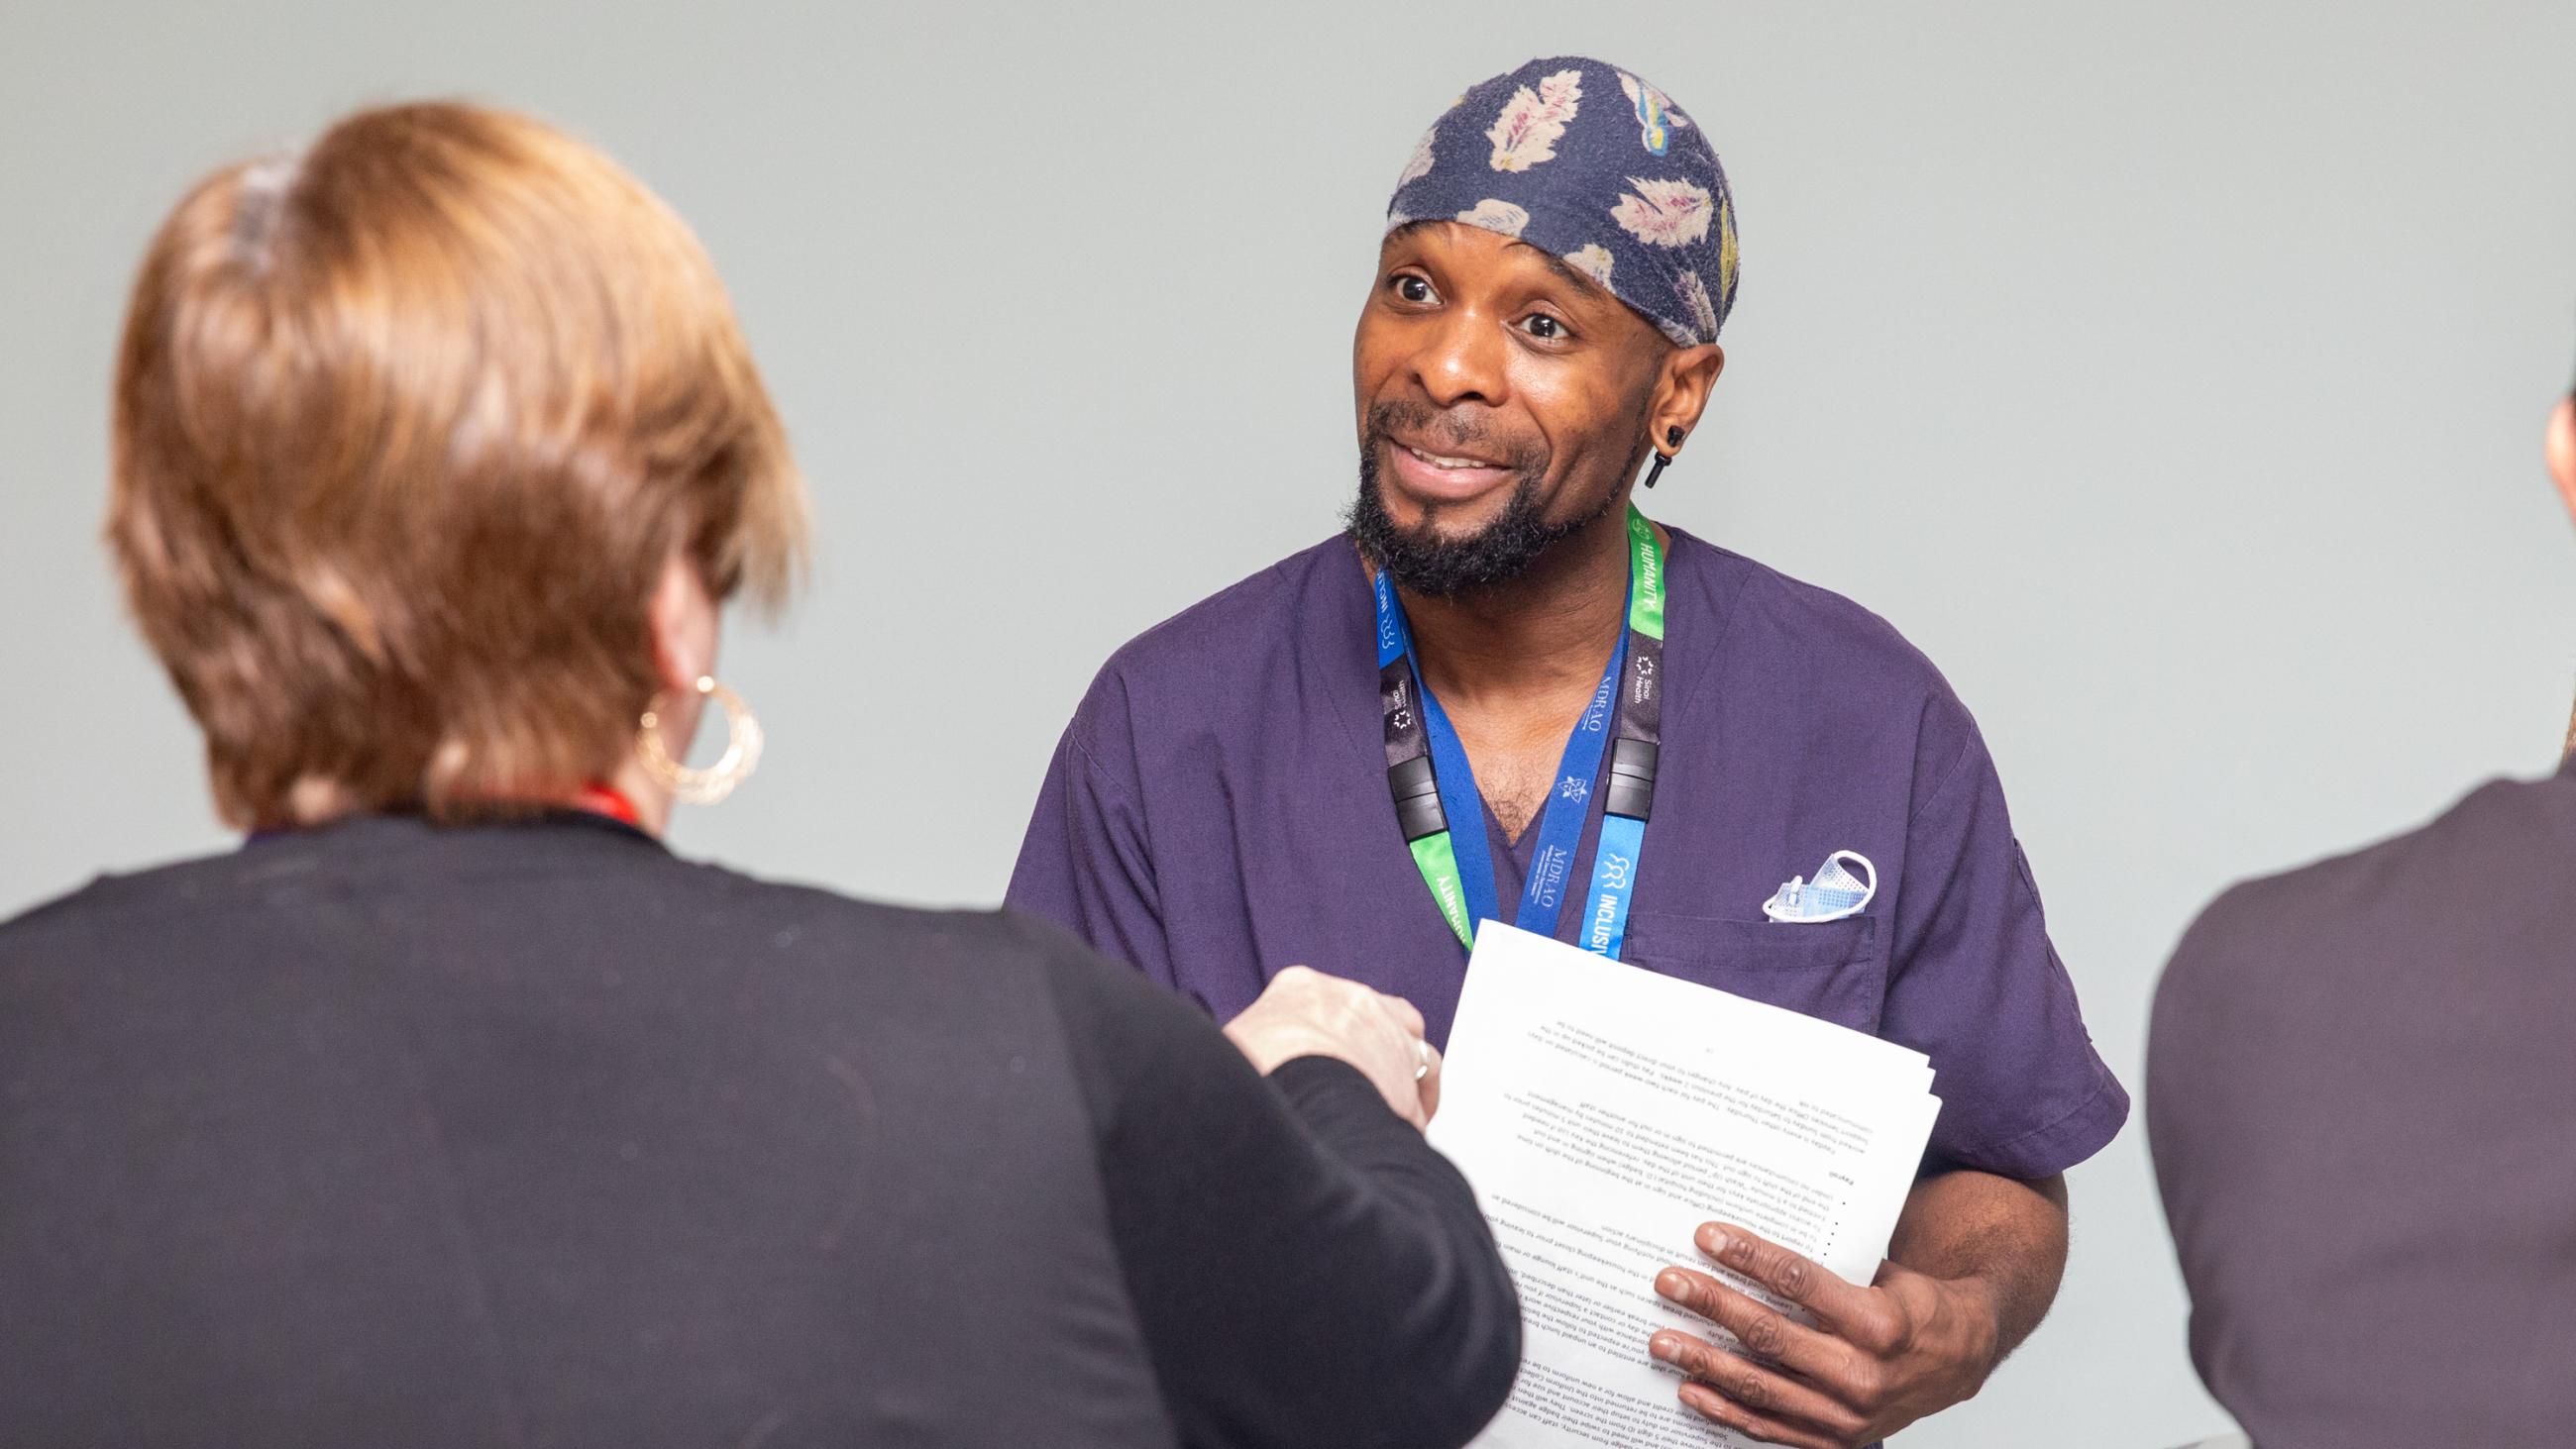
2172 374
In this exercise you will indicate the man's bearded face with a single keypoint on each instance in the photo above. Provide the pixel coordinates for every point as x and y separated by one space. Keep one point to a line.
1502 401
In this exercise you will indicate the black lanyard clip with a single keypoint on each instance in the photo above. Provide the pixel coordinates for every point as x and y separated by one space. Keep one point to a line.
1417 798
1632 778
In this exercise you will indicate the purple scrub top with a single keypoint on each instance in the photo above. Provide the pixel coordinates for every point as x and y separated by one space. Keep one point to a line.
1218 811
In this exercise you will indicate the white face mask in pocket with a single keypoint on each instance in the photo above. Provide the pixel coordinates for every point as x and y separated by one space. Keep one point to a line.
1832 895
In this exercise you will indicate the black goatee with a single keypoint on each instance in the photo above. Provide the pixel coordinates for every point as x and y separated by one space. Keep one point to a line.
1420 559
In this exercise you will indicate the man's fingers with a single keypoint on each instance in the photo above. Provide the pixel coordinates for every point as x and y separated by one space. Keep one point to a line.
1429 1086
1838 1305
1756 1389
1715 1407
1760 1328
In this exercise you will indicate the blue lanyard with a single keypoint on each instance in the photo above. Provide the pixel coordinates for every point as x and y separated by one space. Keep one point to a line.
1560 824
1434 785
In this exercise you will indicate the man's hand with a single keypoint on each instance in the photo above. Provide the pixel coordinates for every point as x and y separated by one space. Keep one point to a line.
1879 1358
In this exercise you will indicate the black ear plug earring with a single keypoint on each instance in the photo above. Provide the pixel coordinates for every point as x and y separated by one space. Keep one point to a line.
1672 440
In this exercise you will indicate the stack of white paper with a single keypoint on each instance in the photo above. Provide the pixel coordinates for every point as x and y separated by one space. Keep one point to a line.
1604 1112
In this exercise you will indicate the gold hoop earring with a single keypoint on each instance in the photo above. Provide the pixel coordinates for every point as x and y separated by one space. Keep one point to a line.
716 781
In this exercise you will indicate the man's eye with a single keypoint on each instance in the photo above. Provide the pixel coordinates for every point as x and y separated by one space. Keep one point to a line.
1541 325
1413 289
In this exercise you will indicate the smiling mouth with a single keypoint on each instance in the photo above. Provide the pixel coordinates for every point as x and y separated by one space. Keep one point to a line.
1447 462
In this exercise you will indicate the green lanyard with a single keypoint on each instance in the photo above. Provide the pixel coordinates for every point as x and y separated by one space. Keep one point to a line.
1422 753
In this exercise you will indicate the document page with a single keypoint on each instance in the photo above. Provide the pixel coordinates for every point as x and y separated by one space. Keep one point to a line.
1604 1112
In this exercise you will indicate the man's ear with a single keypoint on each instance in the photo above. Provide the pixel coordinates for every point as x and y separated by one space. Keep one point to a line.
1681 394
2561 450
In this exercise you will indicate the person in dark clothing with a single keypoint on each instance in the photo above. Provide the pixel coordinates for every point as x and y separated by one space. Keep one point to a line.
452 1109
2362 1104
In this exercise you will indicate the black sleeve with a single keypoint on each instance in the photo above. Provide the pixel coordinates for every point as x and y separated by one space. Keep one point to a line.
1307 1269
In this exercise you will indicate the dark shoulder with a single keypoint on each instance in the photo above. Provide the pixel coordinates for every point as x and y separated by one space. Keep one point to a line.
1123 1035
561 878
172 885
2387 900
1110 1010
942 944
952 946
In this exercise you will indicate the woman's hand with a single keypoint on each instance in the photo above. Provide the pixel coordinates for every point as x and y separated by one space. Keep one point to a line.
1305 1013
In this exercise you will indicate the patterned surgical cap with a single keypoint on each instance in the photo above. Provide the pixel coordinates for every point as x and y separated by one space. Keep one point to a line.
1595 165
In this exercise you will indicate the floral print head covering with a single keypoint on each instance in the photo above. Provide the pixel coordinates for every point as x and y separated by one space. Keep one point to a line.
1595 165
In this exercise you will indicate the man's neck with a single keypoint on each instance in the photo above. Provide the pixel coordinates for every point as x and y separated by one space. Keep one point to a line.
1541 634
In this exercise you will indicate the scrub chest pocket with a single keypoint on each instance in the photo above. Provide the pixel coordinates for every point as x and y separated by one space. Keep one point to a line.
1830 970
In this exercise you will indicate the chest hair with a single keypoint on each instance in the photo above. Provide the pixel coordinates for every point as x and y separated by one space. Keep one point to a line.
1515 775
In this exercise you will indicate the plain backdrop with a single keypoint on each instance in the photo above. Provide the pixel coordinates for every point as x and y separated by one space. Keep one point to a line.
2172 374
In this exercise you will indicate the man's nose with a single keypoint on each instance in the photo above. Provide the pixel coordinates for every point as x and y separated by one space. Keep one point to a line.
1463 360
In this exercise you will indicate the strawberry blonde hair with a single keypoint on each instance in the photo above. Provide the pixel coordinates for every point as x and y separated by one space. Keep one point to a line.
407 427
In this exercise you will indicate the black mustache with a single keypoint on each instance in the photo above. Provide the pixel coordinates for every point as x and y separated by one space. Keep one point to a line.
1445 431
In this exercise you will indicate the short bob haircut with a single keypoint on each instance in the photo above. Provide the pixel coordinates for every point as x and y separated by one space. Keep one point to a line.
408 426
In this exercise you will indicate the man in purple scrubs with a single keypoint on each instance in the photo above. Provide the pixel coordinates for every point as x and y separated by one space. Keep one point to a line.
1557 713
